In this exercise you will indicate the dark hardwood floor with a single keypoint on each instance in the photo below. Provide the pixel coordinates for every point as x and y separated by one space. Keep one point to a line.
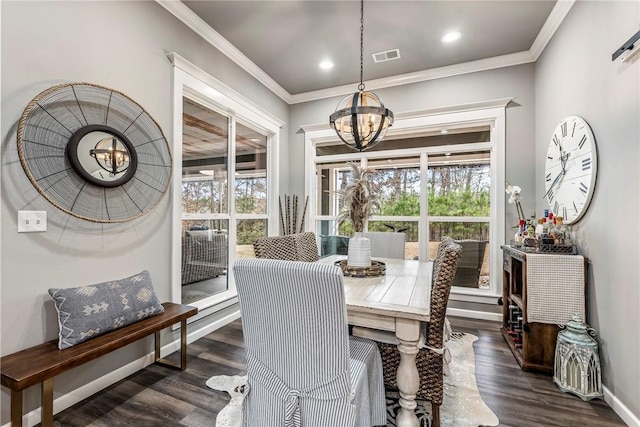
159 396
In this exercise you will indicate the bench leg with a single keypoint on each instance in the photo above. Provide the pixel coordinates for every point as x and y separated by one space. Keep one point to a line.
183 349
46 412
183 345
16 408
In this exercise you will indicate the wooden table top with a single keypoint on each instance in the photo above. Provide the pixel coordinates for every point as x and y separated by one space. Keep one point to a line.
403 292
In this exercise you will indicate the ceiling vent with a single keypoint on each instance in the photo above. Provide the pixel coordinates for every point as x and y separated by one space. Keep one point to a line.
389 55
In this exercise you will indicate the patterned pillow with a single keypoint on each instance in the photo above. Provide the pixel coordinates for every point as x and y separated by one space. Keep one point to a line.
89 311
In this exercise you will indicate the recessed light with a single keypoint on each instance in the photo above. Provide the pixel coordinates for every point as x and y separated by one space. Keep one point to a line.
447 154
326 65
451 37
444 132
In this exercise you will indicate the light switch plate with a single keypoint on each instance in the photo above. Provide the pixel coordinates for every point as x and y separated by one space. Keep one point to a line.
32 221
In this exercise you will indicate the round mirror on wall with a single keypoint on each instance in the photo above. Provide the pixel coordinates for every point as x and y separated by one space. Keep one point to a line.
102 156
94 153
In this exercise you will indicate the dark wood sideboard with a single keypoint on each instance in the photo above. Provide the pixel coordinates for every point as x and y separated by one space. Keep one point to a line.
532 343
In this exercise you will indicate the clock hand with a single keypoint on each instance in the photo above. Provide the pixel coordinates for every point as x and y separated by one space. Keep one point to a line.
553 184
565 159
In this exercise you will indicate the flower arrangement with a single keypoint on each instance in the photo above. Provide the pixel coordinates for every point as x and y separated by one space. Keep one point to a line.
515 197
359 198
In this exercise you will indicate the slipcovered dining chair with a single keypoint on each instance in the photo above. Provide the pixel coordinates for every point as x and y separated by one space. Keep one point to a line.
430 359
386 244
291 247
303 369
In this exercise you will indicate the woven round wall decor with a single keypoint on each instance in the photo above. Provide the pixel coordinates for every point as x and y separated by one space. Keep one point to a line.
94 153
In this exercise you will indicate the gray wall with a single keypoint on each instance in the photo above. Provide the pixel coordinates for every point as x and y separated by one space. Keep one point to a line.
121 45
575 76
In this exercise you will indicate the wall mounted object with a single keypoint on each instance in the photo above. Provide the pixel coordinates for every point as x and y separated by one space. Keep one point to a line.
94 153
628 49
570 169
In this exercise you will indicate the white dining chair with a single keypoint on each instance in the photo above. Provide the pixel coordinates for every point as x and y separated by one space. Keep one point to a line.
386 244
303 369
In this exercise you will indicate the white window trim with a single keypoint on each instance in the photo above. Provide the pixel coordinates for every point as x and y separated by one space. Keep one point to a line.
490 112
194 83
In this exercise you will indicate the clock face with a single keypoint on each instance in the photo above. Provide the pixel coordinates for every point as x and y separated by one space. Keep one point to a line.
570 169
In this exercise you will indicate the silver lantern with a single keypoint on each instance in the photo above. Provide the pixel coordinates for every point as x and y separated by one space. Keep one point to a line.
577 365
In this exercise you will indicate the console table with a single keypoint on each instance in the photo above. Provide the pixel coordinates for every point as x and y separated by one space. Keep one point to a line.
539 293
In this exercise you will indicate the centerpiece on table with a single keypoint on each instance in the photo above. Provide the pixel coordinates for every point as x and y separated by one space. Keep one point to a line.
360 201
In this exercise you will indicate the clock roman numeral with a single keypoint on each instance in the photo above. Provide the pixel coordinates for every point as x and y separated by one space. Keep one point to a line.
556 206
584 188
564 211
563 127
586 164
582 141
575 207
555 139
548 177
573 130
550 195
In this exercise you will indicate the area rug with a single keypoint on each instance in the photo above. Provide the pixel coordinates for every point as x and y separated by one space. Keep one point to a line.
462 404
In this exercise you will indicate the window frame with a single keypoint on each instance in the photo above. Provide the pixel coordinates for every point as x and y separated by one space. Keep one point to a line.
491 113
195 84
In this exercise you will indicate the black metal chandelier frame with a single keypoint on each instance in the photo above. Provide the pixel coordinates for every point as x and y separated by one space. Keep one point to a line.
358 115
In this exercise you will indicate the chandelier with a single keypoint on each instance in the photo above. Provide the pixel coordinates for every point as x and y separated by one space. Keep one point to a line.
111 155
361 120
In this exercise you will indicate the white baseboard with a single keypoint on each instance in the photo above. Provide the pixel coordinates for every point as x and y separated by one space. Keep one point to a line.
210 327
67 400
619 408
474 314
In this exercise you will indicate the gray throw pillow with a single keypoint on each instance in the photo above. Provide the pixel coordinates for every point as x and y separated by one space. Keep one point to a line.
88 311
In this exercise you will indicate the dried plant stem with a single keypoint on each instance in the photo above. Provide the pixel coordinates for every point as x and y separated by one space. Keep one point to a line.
281 217
304 214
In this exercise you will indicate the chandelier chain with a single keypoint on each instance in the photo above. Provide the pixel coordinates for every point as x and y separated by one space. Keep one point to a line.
361 85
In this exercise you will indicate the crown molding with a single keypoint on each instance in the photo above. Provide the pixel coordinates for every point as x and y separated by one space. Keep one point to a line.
215 84
555 18
420 76
197 24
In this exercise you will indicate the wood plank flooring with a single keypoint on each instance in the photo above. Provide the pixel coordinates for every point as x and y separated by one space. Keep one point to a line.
161 397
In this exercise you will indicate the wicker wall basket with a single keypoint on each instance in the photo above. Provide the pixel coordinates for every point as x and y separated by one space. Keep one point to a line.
57 136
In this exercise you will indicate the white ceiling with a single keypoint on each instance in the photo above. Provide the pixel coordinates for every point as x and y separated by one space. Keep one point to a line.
282 42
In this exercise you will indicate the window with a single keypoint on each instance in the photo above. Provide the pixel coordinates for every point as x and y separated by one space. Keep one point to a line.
224 171
431 184
251 189
459 205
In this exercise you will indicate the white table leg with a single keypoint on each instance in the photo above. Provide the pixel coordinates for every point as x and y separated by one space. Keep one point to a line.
408 378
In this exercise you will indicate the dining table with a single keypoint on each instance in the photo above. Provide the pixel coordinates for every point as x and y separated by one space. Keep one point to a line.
390 308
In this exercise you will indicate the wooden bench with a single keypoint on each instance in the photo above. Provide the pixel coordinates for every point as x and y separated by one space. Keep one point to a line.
41 363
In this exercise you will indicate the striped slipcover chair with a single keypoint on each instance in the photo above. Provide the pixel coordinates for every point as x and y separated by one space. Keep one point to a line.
303 368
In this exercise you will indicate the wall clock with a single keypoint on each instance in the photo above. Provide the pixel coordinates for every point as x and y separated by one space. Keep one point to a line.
94 153
570 169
